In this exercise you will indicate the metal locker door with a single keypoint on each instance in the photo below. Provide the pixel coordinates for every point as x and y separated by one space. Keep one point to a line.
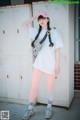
23 52
1 35
17 54
7 51
2 79
8 31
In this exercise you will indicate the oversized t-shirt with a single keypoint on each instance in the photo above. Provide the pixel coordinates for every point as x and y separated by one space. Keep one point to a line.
45 61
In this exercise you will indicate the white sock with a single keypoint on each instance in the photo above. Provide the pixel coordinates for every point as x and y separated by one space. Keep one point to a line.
49 105
31 105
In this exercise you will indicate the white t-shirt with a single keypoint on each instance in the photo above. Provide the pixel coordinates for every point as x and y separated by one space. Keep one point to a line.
45 61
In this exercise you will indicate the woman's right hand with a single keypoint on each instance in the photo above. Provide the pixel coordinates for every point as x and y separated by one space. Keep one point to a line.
35 17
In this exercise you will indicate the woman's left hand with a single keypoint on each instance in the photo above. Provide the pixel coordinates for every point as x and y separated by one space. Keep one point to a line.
57 69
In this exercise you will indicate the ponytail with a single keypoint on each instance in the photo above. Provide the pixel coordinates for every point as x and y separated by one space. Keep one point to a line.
40 28
49 34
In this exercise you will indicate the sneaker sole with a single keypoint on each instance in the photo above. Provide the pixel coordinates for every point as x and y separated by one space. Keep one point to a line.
24 118
48 117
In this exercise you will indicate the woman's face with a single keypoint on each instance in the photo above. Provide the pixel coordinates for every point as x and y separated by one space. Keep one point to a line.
43 22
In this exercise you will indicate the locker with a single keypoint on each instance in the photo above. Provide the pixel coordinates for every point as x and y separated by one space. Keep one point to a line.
16 55
1 35
3 86
22 41
7 30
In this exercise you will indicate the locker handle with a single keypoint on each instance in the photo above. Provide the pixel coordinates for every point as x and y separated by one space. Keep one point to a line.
17 30
7 76
3 31
21 77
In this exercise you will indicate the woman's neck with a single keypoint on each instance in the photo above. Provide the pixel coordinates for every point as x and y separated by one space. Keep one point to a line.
44 27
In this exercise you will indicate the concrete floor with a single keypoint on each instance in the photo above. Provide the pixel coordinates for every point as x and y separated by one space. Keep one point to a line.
17 111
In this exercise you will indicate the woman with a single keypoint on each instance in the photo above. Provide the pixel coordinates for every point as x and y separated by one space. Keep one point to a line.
47 61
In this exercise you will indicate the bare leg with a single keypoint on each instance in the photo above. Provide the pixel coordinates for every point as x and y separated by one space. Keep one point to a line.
37 75
51 80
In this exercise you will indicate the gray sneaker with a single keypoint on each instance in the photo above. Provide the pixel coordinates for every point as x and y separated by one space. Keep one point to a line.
28 114
48 113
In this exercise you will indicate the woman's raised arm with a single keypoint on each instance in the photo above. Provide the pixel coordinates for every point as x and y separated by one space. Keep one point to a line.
27 22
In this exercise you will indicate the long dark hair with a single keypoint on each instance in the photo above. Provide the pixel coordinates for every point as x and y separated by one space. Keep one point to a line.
47 33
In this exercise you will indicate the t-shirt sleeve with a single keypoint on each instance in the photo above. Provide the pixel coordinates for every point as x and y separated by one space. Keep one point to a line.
58 40
32 32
